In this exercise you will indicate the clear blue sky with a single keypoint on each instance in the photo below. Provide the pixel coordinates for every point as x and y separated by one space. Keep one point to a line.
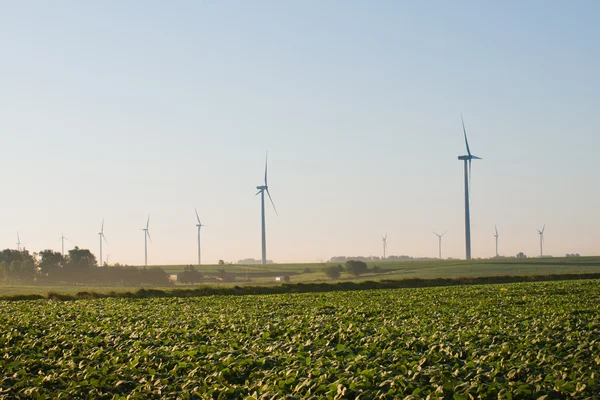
122 109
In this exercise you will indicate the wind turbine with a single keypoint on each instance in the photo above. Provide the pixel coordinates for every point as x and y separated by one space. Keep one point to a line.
496 236
261 191
467 159
63 238
384 239
18 242
440 243
541 233
101 235
199 225
146 237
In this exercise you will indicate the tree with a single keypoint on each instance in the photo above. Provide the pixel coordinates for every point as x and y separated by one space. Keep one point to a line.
81 258
355 267
221 262
334 271
4 272
9 255
50 261
15 268
189 275
27 269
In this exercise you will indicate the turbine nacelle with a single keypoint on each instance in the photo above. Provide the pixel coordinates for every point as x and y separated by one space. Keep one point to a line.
466 158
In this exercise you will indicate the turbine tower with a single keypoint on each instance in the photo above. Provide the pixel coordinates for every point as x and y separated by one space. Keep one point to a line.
18 242
261 191
62 239
101 235
496 236
440 243
467 159
199 225
384 239
541 233
146 237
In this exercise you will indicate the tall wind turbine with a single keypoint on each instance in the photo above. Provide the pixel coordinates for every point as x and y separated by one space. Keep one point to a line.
467 159
101 235
199 225
63 238
496 236
146 237
384 239
261 191
18 242
440 243
541 233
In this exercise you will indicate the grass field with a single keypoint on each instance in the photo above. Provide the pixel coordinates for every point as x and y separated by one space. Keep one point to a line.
265 275
515 341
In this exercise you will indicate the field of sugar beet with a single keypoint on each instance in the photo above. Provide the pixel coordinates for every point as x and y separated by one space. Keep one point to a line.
522 340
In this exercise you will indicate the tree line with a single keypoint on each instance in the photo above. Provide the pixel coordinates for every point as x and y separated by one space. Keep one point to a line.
79 266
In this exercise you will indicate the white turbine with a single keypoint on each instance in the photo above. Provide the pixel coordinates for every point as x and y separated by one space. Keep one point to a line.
541 233
467 161
62 239
496 236
439 243
18 242
261 190
199 225
146 237
101 235
384 239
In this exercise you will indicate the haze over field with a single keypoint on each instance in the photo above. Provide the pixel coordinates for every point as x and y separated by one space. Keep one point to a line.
116 111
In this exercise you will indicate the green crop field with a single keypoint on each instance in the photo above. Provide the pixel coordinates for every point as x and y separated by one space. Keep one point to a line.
524 340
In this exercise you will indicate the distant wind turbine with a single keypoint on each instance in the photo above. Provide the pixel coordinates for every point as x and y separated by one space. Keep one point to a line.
18 242
467 159
384 239
439 243
63 238
146 237
496 236
261 191
541 233
199 225
101 235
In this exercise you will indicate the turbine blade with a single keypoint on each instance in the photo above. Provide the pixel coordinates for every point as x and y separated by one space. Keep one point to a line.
544 228
148 233
257 193
496 230
444 233
197 217
269 194
148 222
104 237
465 132
102 227
266 160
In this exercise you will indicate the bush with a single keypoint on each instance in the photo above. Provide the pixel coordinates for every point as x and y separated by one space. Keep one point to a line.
333 272
356 268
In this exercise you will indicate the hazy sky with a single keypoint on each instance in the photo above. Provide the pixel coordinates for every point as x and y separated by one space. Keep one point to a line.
120 109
